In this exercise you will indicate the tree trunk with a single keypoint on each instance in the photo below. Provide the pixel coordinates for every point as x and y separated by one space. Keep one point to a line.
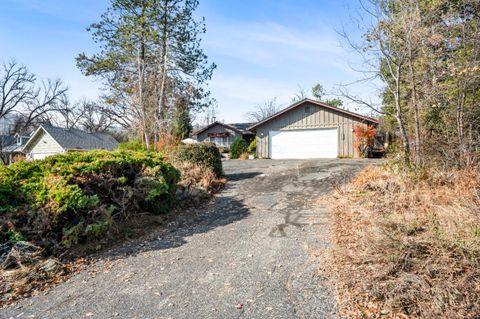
163 72
141 85
416 112
399 118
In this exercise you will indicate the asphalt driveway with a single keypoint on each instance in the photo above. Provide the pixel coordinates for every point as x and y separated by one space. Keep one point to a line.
245 255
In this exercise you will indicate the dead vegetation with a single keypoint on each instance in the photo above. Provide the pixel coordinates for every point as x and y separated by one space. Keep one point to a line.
407 244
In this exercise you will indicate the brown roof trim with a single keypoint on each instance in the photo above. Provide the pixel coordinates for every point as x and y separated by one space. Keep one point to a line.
291 107
215 123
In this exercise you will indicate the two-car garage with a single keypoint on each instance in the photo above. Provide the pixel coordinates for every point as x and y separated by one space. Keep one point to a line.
313 143
308 129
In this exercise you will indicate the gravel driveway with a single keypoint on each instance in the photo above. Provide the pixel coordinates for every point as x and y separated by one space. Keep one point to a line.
245 255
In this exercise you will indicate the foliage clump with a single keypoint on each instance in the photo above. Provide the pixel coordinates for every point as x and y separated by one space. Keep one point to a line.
69 198
201 154
238 147
364 138
252 148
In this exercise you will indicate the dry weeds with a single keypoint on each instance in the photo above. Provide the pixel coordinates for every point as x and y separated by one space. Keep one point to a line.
407 245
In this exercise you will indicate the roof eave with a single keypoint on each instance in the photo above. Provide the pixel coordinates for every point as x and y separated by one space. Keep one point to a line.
293 106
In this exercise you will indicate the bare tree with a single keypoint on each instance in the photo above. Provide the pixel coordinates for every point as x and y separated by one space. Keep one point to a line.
384 55
67 114
93 117
45 99
262 111
210 113
20 94
16 87
300 95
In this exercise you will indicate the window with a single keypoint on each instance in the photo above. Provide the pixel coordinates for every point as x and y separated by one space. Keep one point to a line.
307 109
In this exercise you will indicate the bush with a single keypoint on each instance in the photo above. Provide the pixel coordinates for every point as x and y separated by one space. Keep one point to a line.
238 147
202 154
224 150
252 148
134 145
69 198
244 156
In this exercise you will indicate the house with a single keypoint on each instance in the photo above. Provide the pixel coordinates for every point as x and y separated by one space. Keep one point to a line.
49 140
11 147
308 129
223 135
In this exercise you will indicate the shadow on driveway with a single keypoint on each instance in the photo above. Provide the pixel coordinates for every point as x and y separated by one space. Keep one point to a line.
241 176
221 211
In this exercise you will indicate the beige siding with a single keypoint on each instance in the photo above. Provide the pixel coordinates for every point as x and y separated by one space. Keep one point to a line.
219 129
311 116
43 144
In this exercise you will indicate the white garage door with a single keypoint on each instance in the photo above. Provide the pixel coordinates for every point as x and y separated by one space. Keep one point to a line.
318 143
39 156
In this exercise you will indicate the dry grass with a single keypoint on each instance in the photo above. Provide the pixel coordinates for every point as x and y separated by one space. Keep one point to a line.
407 245
244 156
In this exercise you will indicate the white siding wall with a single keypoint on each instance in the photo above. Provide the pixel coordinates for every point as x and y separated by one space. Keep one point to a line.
43 144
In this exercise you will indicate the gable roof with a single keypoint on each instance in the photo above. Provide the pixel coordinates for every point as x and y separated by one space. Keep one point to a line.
304 101
237 127
74 139
9 143
7 140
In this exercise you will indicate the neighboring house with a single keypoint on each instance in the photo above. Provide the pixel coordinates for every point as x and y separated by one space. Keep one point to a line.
308 129
49 140
11 147
223 135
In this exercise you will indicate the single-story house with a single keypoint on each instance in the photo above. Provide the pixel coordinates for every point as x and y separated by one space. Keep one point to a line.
308 129
50 140
11 147
223 135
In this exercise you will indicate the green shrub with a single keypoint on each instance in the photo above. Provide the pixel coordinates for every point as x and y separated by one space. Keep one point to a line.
134 145
252 148
73 197
202 154
238 147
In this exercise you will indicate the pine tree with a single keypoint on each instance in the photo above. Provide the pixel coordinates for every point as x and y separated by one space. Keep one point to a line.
150 54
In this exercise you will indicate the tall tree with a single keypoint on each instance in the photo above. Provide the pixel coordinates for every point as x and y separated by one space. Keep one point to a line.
150 53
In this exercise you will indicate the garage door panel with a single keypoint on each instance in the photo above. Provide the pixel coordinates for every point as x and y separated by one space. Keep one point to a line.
40 156
298 144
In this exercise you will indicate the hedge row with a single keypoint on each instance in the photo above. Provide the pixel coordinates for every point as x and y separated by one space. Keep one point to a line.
68 198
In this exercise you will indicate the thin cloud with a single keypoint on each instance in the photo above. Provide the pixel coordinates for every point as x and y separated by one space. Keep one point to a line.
270 44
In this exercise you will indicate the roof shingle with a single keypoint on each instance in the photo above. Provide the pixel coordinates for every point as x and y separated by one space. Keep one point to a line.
74 139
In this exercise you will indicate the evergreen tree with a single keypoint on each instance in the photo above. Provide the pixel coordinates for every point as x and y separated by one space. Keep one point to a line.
181 125
150 53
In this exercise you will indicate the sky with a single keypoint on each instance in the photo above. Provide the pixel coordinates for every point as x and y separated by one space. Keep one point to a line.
263 49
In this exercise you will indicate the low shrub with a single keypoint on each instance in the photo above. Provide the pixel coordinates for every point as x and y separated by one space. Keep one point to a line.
133 145
252 148
244 156
238 147
69 198
198 177
224 150
201 154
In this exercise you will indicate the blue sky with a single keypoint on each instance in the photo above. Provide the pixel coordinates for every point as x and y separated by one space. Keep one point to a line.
263 48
